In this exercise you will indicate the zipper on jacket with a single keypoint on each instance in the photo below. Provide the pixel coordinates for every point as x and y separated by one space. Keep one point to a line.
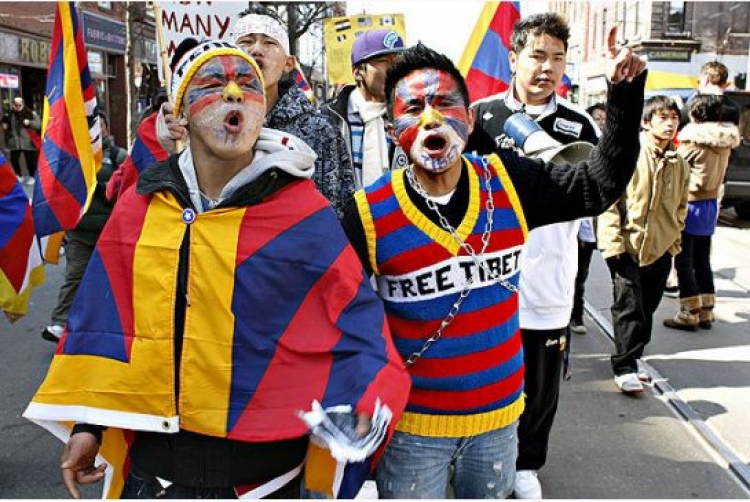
182 302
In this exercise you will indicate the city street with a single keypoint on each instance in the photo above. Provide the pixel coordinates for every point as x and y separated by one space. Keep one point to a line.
685 438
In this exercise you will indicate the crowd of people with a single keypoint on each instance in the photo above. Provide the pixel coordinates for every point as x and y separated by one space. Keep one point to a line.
407 261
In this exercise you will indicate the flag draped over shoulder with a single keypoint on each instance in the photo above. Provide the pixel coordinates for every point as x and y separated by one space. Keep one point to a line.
146 152
484 62
20 261
71 150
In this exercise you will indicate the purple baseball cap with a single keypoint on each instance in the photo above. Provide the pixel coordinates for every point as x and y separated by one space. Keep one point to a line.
376 43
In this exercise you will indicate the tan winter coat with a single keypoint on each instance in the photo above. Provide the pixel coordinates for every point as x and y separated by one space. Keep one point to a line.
647 220
706 147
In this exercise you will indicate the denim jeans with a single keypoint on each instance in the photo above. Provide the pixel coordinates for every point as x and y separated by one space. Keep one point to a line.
694 274
419 467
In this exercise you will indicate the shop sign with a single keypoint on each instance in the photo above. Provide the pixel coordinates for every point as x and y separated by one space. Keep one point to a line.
8 81
672 55
9 47
34 51
96 62
104 33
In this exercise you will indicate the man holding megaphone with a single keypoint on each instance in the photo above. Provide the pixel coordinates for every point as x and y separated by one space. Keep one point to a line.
531 117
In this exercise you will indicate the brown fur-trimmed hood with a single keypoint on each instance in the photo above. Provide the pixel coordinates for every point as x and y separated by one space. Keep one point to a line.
711 134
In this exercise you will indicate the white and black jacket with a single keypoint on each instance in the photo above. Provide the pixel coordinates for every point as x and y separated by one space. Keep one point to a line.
550 258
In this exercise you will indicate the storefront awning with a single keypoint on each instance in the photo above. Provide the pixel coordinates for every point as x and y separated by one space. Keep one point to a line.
665 80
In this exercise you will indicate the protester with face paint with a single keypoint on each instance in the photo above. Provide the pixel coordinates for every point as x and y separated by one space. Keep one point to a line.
222 299
288 109
442 239
359 110
539 46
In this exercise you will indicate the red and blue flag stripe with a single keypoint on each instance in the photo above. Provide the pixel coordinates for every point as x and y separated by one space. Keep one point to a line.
20 258
484 62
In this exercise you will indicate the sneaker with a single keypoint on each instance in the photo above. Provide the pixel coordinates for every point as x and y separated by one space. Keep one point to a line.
52 333
369 490
577 327
672 292
29 181
643 376
527 485
629 384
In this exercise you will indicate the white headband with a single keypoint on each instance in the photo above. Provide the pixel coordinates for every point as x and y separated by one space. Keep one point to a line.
266 25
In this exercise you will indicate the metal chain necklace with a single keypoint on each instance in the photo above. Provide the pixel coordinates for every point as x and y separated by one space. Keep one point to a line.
468 248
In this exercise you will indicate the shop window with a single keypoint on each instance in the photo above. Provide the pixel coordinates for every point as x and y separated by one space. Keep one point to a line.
105 5
676 18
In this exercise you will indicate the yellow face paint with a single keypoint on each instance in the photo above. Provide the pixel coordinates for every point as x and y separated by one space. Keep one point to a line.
232 92
430 116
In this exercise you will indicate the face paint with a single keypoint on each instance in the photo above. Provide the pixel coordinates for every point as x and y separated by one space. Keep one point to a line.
430 118
225 102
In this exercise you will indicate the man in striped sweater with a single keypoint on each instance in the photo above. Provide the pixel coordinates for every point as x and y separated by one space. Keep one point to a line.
442 239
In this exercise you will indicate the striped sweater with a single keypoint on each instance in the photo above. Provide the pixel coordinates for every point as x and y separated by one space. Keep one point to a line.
471 380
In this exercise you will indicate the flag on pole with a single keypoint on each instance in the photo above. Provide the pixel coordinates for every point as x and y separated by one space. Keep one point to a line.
299 78
71 152
21 266
484 62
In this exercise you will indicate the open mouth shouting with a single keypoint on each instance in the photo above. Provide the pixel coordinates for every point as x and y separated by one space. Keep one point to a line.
435 145
233 122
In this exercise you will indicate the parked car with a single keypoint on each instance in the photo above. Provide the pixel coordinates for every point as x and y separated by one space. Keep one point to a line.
737 180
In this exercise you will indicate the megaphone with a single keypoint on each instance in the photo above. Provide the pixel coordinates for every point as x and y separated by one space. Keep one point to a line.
533 141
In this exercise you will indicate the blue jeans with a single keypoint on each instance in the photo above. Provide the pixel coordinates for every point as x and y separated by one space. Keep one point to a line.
418 467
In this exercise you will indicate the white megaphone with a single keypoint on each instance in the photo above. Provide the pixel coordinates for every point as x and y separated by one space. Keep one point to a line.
533 141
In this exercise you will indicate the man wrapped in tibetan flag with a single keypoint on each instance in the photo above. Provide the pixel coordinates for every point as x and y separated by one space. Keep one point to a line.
20 260
222 301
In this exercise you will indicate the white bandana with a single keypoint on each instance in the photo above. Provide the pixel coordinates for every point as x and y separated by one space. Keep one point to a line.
266 25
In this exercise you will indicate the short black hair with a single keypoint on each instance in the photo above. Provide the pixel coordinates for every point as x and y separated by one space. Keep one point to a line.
419 57
706 108
548 23
596 106
658 104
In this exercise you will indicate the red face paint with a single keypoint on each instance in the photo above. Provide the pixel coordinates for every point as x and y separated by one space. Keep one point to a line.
429 104
208 83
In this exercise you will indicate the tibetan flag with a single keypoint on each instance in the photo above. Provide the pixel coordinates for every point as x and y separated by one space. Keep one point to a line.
20 260
564 87
146 152
299 78
71 152
484 62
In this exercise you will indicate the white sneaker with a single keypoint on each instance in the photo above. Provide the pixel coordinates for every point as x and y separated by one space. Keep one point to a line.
577 328
30 181
369 490
527 485
629 383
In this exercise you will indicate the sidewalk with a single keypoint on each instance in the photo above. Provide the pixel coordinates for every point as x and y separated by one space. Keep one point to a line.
607 445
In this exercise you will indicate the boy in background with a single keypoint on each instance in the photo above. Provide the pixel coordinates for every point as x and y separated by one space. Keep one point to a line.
639 235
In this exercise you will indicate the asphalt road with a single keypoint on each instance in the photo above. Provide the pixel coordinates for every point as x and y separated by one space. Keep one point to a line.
604 445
